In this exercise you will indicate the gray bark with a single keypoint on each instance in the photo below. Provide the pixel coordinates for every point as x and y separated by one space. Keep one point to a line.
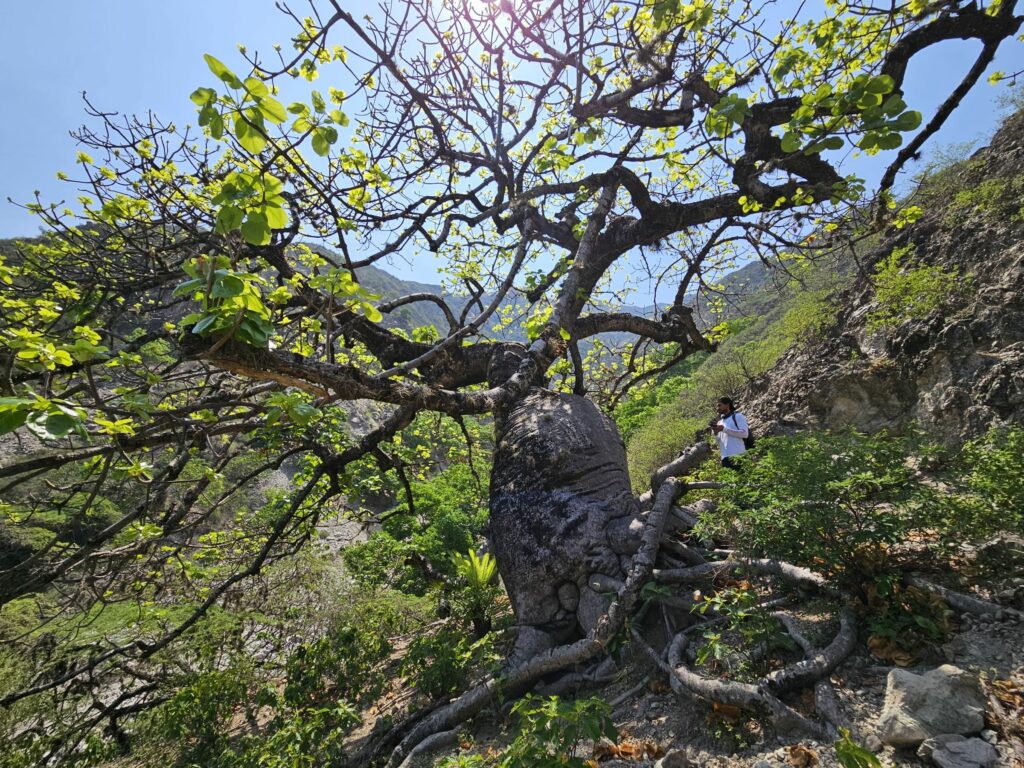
563 518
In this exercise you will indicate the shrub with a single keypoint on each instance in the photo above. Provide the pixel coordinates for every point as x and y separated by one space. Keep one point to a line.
829 501
550 730
904 293
411 551
441 664
475 590
986 484
748 630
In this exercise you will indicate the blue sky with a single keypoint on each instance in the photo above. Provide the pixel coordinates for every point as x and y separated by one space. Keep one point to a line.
137 55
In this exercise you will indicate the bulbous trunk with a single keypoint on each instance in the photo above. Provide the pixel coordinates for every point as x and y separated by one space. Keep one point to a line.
562 515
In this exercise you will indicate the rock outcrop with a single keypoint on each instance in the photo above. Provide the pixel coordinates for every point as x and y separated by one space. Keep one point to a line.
953 373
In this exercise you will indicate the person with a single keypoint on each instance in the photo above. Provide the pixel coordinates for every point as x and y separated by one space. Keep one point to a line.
730 429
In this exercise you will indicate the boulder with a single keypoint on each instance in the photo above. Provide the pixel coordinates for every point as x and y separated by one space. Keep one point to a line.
951 750
947 700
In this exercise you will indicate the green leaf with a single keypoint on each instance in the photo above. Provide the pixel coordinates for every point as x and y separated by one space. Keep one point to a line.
832 142
791 141
203 96
205 324
220 70
371 312
226 286
908 121
272 109
188 287
216 125
893 105
256 230
852 755
256 87
318 103
298 108
248 136
323 137
890 141
255 330
882 84
11 420
339 117
229 218
277 216
59 424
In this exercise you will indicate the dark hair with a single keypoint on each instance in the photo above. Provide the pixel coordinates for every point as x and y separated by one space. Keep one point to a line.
727 401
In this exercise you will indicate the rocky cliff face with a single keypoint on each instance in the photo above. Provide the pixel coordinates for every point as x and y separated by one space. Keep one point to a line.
954 372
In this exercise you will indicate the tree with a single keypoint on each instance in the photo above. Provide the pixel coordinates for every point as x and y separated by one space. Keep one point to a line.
187 317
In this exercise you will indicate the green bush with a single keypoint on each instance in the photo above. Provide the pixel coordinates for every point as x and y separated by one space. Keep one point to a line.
548 734
987 484
474 591
198 715
841 503
993 198
829 501
412 551
442 663
904 292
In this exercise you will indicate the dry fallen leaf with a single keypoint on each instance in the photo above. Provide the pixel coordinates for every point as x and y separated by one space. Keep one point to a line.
1008 692
802 757
728 711
628 749
659 686
884 649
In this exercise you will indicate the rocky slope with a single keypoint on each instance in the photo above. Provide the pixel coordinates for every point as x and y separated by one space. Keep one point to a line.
954 372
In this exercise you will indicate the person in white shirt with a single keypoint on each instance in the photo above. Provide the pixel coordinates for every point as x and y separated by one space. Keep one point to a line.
730 430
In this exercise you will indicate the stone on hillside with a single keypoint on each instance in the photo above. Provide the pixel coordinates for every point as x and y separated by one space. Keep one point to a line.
676 758
947 700
951 750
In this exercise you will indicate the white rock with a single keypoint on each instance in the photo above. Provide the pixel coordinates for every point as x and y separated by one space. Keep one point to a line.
947 700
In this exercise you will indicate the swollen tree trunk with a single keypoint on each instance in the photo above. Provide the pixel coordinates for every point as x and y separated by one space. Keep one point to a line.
563 519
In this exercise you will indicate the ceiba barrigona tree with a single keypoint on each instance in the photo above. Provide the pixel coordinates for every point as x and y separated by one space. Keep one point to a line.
535 149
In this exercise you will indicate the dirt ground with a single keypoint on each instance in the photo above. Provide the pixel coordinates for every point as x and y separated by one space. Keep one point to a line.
653 721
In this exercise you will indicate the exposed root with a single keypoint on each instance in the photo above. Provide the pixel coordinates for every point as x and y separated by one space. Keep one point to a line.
523 676
625 696
793 573
678 467
441 740
689 555
685 681
818 663
574 682
826 703
682 519
961 602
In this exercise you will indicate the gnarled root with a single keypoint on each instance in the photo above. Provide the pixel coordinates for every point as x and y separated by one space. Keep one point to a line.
818 663
826 703
685 681
802 577
962 602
